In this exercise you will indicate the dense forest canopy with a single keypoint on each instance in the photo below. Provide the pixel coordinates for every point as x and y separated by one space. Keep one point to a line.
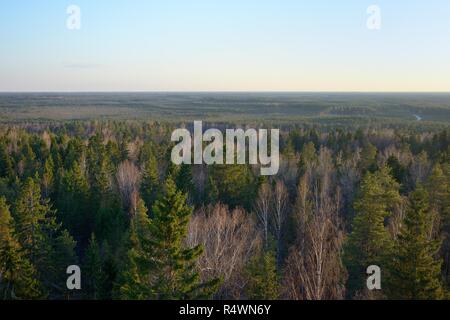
352 191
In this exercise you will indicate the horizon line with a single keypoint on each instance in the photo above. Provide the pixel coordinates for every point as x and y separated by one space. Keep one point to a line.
220 91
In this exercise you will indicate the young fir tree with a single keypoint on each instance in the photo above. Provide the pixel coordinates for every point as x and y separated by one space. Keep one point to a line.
183 179
438 187
93 270
212 192
159 265
17 275
48 177
34 218
307 157
150 182
72 203
6 167
415 273
236 185
262 278
49 248
133 282
370 243
109 272
173 267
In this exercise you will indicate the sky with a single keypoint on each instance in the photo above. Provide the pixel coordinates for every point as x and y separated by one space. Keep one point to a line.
227 45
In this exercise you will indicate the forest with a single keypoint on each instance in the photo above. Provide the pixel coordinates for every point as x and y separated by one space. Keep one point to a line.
103 194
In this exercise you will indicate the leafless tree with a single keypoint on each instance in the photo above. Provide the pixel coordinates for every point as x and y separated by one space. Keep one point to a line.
230 239
280 208
262 208
313 269
47 139
128 176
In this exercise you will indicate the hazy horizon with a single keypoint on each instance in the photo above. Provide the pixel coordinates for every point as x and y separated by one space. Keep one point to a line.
232 46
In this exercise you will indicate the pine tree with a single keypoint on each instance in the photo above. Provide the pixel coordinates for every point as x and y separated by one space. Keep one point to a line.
17 275
370 242
262 278
415 273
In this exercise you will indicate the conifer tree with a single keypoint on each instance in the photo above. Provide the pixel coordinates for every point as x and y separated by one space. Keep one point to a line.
17 275
415 273
159 265
212 192
33 217
150 182
438 187
184 181
48 177
262 278
307 157
370 242
93 270
134 278
6 168
72 204
174 264
49 248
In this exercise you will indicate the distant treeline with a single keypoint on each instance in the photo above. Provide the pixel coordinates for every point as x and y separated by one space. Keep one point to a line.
322 108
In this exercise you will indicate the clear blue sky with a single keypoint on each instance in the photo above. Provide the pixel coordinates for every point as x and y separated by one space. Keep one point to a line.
227 45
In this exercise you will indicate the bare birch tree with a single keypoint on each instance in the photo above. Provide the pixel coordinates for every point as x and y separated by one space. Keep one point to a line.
262 208
128 176
230 239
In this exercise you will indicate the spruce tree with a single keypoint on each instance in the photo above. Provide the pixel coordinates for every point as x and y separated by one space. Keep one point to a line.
150 186
133 283
173 264
438 187
415 273
48 177
33 217
17 275
183 179
93 270
369 242
159 265
49 248
72 203
262 278
6 167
